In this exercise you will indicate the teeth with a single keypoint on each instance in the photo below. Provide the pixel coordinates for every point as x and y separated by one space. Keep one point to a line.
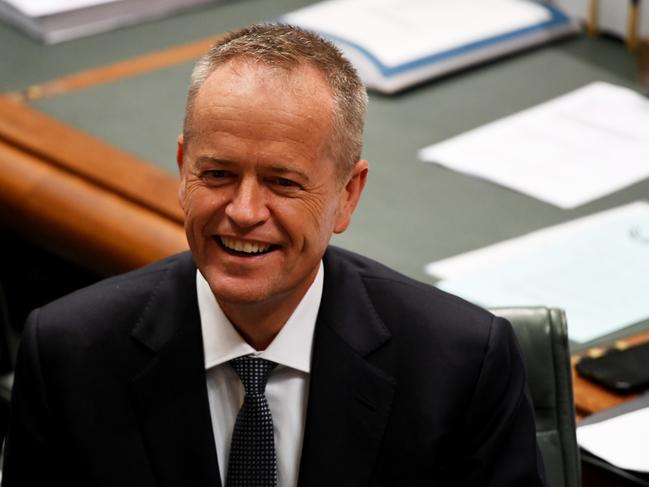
244 246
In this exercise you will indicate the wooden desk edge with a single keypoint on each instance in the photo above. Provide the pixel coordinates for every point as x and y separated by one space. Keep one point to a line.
590 397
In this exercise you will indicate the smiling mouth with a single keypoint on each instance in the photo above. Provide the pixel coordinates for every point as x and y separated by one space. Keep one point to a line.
245 247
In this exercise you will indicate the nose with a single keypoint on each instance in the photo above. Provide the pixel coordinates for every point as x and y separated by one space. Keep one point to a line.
248 207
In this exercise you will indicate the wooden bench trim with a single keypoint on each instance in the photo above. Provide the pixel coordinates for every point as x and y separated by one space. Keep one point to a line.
81 154
122 69
79 220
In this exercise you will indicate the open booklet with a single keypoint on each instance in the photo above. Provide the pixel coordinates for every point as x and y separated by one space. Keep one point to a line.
395 44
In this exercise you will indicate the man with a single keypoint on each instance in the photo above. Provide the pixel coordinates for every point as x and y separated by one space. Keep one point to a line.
372 378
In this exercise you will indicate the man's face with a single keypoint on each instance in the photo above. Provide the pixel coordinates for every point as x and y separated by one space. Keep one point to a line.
258 187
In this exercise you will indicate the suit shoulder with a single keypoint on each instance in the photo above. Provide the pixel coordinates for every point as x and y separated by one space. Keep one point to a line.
407 305
113 299
401 290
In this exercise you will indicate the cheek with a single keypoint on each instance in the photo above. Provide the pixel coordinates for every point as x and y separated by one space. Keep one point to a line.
312 220
319 207
201 204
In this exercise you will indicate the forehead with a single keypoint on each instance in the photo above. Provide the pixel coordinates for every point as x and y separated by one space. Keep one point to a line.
258 88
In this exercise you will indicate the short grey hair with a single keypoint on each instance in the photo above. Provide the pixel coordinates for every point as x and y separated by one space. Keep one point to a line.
288 47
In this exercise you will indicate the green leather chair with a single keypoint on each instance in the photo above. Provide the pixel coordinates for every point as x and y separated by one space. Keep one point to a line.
543 338
8 350
8 344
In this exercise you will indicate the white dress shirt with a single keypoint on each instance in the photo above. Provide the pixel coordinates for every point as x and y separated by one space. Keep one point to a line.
287 387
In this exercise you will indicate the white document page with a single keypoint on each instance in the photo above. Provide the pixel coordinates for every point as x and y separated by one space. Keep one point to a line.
493 255
399 31
567 151
599 274
40 8
622 441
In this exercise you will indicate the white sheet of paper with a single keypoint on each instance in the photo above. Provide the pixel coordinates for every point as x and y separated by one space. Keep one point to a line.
622 441
567 151
493 255
40 8
597 270
422 26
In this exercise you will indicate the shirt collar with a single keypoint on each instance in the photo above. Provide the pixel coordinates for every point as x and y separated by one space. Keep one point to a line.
292 345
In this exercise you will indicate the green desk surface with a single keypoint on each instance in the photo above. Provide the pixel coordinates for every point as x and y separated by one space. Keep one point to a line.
411 213
25 61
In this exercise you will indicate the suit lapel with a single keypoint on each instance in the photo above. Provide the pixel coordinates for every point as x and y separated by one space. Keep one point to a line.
349 398
170 392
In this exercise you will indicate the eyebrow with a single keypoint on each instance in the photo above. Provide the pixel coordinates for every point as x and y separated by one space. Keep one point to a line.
210 159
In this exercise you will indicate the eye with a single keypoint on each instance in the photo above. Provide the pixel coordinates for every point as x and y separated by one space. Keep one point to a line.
215 174
284 183
287 183
217 177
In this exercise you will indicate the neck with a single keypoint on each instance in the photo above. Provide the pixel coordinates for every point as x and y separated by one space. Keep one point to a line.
259 323
257 326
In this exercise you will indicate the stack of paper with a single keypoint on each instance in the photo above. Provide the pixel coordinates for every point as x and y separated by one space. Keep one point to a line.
616 438
59 20
595 268
621 441
397 43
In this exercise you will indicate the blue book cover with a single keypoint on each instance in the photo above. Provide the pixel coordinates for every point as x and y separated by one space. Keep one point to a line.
398 43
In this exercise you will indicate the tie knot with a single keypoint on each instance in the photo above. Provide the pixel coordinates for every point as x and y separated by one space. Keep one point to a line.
253 372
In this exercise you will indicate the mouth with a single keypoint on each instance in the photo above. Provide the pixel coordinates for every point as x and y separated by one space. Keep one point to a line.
245 248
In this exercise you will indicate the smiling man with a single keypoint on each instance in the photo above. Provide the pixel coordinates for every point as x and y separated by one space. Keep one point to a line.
265 357
260 186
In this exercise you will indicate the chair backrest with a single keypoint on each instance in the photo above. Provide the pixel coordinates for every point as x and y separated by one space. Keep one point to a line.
7 360
543 338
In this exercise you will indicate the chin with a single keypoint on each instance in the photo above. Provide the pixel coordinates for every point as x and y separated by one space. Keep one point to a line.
239 293
239 298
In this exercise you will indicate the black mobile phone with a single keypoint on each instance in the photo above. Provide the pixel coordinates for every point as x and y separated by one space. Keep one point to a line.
623 371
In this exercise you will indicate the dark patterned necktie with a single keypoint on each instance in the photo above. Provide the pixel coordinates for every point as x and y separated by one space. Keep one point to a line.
252 453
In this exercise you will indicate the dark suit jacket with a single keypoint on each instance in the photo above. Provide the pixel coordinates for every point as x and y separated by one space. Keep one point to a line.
409 386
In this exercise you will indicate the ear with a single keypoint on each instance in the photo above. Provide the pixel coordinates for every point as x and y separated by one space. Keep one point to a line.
180 152
350 195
